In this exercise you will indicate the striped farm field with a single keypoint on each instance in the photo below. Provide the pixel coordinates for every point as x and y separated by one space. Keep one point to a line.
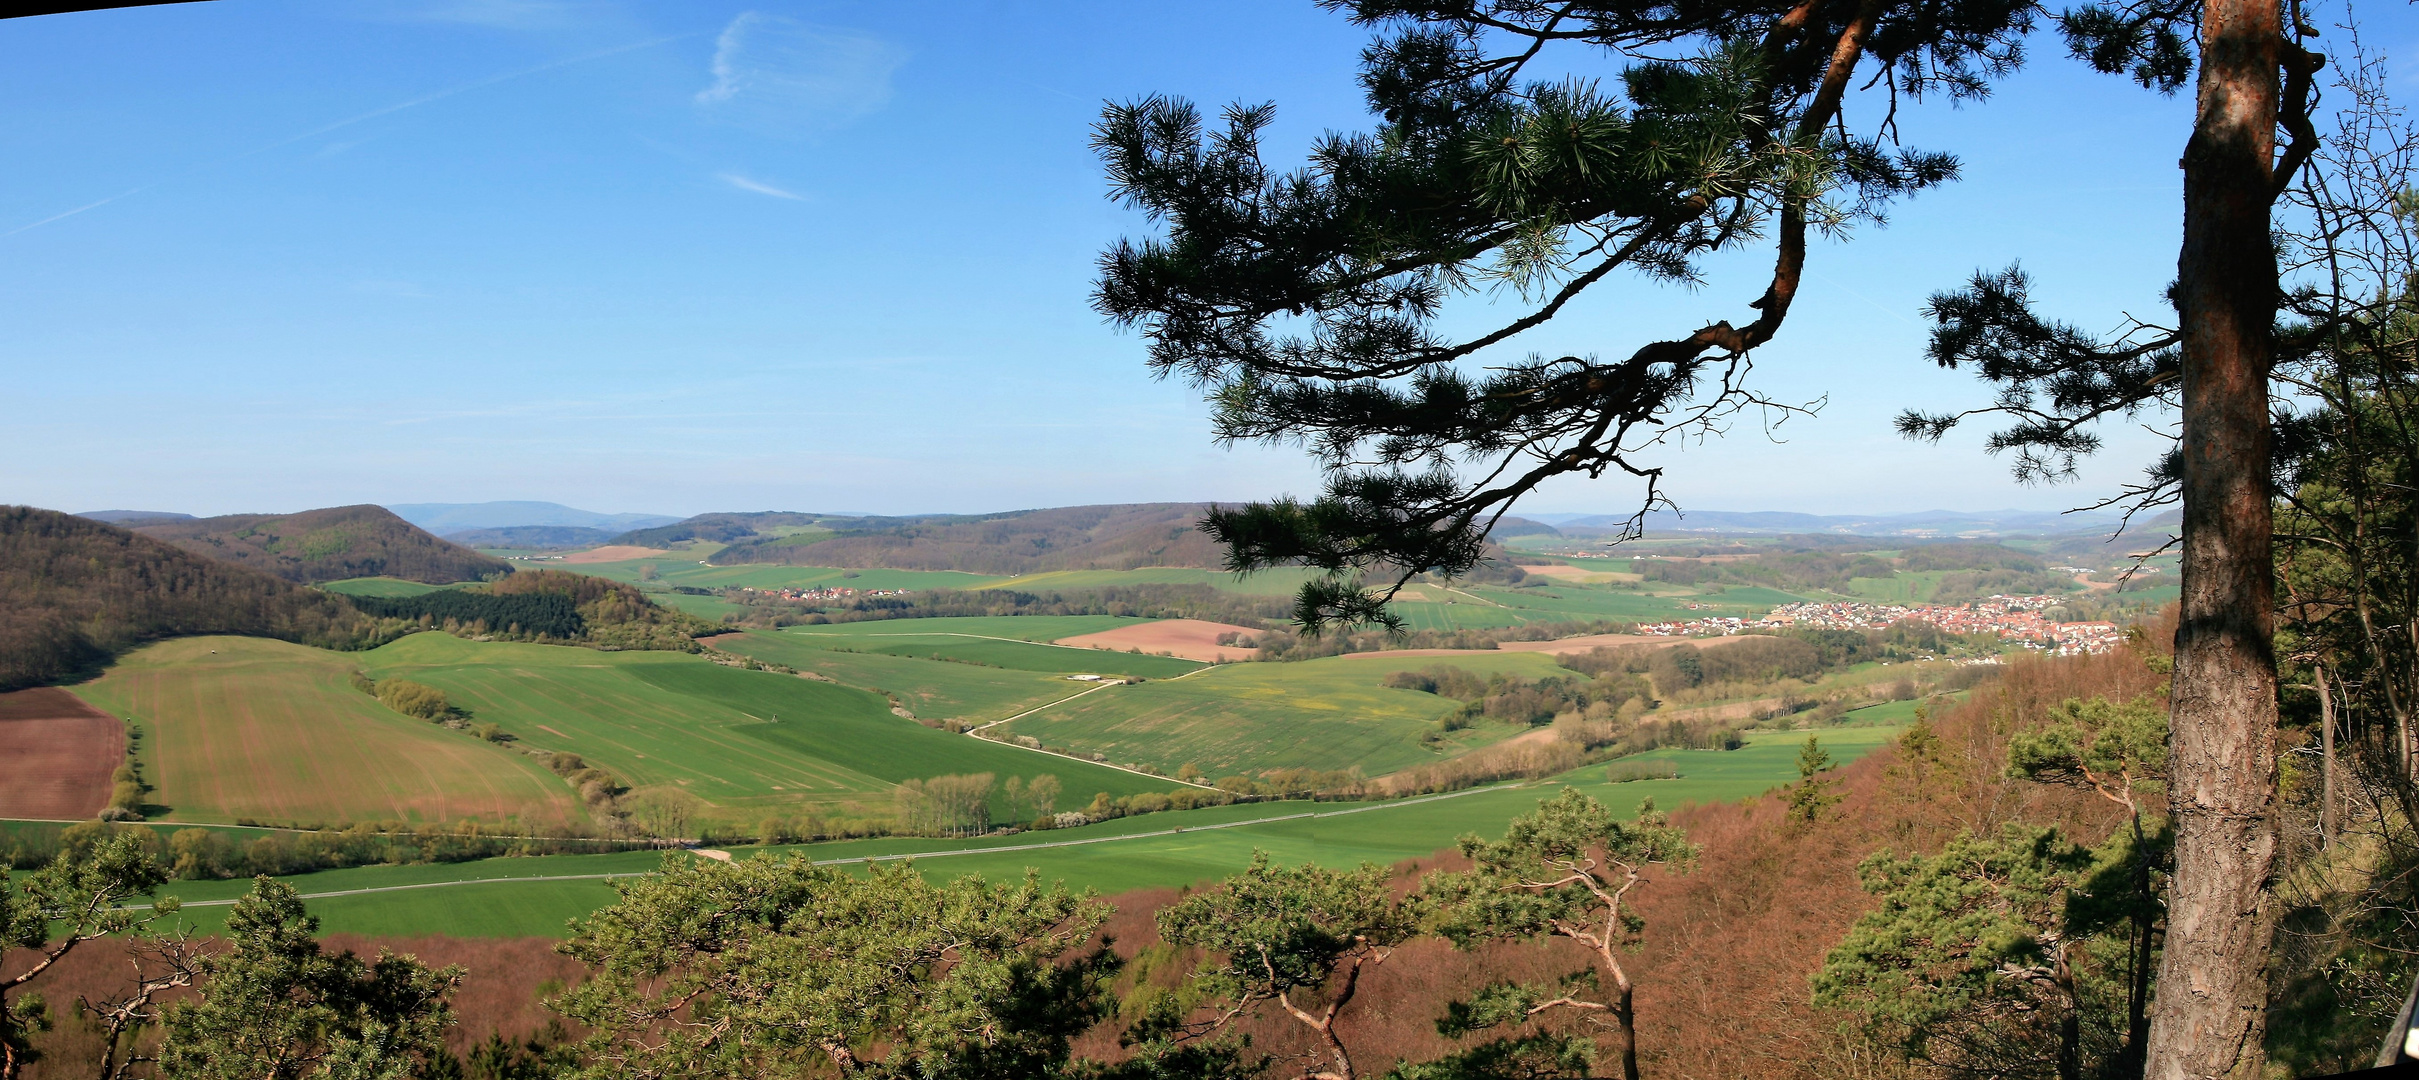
1042 628
744 742
1150 851
1282 581
378 586
977 641
253 728
930 688
1330 713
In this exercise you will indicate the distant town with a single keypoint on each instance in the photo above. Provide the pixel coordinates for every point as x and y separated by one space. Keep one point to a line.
2016 619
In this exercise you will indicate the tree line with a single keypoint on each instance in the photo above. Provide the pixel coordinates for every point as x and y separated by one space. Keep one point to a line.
1153 601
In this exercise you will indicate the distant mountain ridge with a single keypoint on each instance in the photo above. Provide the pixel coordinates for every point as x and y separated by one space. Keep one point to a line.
328 545
1108 537
540 537
443 518
1917 525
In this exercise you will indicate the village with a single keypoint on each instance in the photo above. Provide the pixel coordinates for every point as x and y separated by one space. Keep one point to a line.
2018 620
823 593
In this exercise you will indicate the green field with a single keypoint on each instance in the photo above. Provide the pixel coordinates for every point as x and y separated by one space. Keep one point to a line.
683 568
1007 641
1329 713
1282 581
746 742
1043 628
932 689
248 727
1128 853
377 586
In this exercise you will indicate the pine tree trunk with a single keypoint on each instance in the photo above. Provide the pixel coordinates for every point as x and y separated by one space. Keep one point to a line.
2213 984
1625 1011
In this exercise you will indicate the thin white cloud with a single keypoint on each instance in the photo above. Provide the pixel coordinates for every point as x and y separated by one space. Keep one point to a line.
348 122
758 186
784 75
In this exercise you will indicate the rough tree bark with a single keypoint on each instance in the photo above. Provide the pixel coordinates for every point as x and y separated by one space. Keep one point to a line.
2213 981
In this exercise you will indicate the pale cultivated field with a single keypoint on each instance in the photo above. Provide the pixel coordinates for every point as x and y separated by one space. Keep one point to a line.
614 553
1191 639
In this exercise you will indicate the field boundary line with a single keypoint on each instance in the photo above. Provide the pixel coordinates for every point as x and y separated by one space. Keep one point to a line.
1384 805
1038 708
1390 803
181 904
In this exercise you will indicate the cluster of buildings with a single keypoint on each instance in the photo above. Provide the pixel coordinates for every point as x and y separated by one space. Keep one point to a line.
2017 620
823 595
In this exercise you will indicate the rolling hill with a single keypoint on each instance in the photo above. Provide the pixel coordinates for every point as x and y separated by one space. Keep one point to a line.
443 518
541 537
76 592
328 545
1120 537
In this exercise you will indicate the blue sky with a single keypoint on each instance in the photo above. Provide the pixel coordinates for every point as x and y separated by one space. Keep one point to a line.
265 255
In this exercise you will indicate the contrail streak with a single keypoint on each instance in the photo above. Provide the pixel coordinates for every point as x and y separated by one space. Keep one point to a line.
370 115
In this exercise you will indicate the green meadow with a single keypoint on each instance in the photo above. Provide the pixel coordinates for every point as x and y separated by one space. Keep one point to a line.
1151 851
1329 713
1008 641
377 586
745 742
237 727
1282 581
931 689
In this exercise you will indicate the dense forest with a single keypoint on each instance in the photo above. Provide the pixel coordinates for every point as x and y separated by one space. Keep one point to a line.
328 545
75 593
551 607
1066 538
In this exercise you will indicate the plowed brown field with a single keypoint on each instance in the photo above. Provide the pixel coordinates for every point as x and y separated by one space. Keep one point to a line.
56 754
1192 639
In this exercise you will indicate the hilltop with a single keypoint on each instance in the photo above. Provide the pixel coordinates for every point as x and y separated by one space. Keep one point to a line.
328 545
1115 537
444 518
76 592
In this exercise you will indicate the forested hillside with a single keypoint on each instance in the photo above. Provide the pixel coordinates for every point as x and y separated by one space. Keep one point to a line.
551 607
1032 541
76 592
329 545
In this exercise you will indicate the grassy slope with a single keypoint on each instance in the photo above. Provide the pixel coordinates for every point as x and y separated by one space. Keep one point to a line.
673 720
683 568
1019 627
1329 713
930 688
247 727
1279 582
377 586
982 641
1389 832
